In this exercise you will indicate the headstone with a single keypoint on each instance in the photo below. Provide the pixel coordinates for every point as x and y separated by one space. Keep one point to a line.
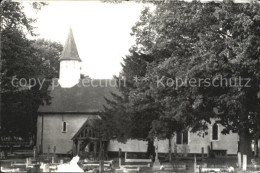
239 159
46 168
244 162
28 161
52 159
61 161
101 166
195 163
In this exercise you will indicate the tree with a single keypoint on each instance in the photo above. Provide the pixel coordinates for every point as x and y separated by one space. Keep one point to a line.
27 69
126 118
203 41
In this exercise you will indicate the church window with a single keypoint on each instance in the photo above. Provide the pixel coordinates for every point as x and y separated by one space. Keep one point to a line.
185 137
182 137
178 138
64 127
215 132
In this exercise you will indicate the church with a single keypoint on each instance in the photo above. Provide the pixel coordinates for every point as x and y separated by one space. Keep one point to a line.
68 122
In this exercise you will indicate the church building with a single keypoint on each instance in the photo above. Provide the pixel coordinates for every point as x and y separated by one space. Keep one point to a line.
67 123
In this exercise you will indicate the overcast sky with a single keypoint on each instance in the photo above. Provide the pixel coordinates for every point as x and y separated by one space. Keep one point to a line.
101 31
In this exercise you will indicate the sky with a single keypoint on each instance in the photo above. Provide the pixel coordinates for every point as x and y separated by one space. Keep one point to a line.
101 31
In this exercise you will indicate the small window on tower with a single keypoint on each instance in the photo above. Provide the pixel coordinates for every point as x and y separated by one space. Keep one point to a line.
64 127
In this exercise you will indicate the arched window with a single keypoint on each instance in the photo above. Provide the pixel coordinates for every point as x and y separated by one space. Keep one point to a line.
215 132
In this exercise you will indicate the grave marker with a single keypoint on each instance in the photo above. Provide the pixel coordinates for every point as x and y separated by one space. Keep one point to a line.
46 168
244 162
101 166
239 159
34 152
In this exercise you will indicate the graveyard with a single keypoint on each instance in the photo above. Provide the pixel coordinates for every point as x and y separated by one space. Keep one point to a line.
149 87
31 161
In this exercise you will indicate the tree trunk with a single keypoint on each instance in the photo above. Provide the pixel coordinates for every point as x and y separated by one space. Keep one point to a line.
245 142
244 134
170 149
150 150
256 147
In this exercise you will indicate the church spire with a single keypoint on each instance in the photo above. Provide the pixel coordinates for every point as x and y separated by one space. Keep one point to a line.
70 51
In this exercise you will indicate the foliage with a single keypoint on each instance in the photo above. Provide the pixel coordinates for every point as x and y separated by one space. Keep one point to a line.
23 61
194 46
128 120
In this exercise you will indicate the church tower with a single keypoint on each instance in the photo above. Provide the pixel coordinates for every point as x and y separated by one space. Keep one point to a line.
70 63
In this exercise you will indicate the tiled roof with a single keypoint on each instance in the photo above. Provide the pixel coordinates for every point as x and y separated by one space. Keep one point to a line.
79 99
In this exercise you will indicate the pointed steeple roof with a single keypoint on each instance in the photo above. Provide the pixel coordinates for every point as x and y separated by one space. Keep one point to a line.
70 51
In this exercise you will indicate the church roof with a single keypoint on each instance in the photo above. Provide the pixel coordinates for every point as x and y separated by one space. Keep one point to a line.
79 99
70 51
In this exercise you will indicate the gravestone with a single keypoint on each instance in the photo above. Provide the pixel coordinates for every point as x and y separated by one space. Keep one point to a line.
239 159
195 163
101 166
244 162
54 154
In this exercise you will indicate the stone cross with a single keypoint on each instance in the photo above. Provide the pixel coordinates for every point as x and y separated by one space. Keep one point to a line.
156 164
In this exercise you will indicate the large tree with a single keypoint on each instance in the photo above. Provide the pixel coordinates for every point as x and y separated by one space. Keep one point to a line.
128 116
23 61
202 42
